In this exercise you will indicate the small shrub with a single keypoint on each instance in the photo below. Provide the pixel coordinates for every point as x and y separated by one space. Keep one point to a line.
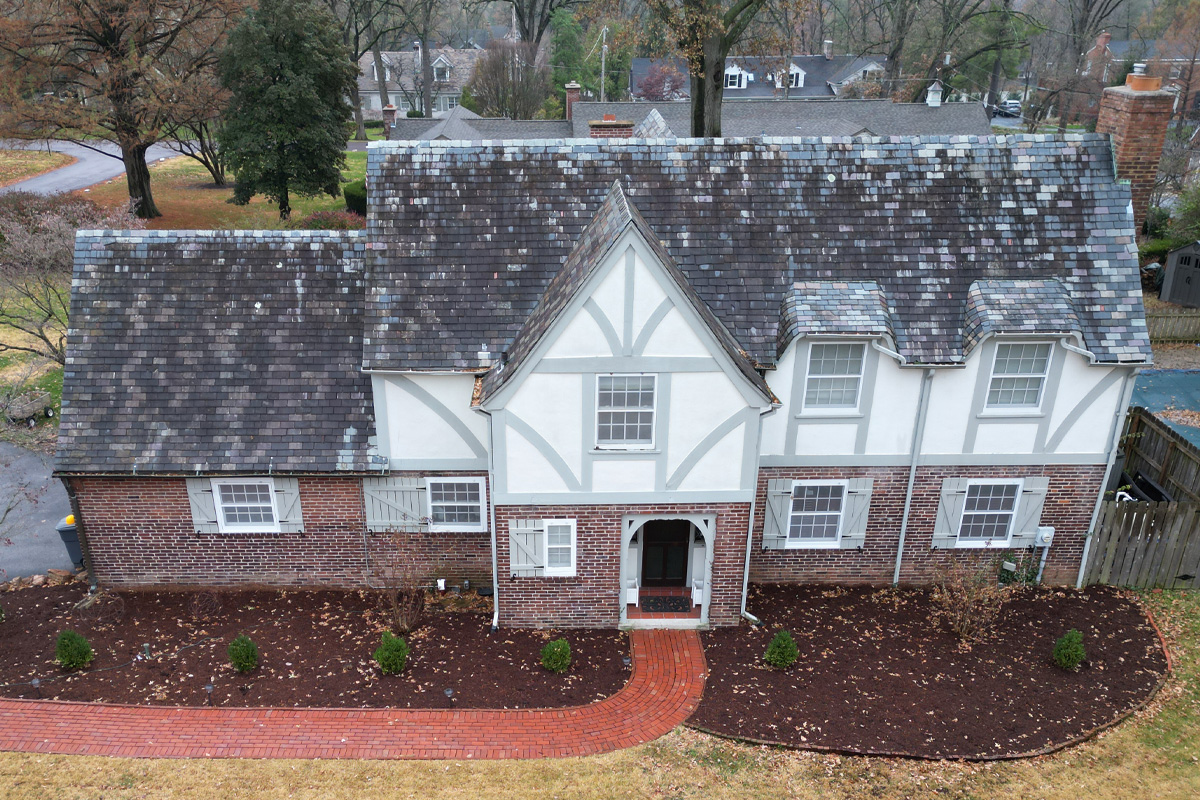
1026 572
72 651
1158 221
781 652
1 613
373 124
968 600
392 654
355 193
556 656
1157 249
414 114
331 221
1068 650
243 654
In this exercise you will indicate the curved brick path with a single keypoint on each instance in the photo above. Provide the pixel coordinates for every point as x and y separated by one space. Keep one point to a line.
664 690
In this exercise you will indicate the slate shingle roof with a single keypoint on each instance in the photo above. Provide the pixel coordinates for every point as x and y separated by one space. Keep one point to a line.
856 308
459 123
1018 306
612 219
226 351
466 238
803 117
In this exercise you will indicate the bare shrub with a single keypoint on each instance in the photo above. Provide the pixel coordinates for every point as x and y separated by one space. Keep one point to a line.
204 605
101 609
400 587
967 599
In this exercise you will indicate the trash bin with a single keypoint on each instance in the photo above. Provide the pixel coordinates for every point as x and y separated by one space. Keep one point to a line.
66 531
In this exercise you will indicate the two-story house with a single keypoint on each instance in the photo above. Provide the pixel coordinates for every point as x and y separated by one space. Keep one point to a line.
590 373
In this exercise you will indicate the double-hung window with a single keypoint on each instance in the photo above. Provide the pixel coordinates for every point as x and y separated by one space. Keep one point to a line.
1019 375
625 411
733 80
560 547
456 504
441 73
988 513
795 80
816 515
834 375
245 505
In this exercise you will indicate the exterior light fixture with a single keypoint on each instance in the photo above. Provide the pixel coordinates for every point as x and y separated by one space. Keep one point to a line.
37 687
208 687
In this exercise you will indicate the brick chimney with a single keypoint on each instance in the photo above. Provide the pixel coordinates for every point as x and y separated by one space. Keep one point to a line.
389 120
1136 115
573 90
610 127
827 49
1102 40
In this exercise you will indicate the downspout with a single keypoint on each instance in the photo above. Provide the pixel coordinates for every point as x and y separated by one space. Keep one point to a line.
81 532
1114 440
492 523
918 434
753 620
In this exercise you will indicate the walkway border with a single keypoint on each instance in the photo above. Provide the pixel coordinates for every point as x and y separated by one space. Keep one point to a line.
663 691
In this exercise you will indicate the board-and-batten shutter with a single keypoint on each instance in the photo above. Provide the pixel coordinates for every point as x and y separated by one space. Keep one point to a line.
778 514
858 505
287 504
394 503
204 505
1029 510
950 511
527 548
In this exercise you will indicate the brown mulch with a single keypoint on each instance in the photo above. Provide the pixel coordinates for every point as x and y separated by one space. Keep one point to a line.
314 650
876 676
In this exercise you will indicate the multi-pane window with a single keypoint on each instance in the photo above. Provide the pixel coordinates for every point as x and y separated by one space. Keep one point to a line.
245 505
834 375
988 513
456 505
1018 375
733 80
816 517
441 73
795 79
560 547
625 410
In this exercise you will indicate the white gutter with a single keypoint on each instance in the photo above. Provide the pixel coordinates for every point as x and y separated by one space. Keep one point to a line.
1114 442
750 526
889 352
918 434
492 522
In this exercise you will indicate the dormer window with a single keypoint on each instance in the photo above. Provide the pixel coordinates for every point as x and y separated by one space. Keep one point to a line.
1019 375
441 72
796 80
625 411
834 376
733 79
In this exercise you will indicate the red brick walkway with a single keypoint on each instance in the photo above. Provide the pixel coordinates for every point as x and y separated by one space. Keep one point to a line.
664 690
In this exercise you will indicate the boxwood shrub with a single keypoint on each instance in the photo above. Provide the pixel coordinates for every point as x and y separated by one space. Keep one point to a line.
72 651
556 656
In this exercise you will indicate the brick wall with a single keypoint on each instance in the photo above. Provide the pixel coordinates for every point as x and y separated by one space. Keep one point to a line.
1068 507
609 129
1138 122
140 534
592 598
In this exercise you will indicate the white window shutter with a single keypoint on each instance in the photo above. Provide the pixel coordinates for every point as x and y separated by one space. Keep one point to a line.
527 548
394 502
1029 510
287 504
949 513
204 505
777 518
854 518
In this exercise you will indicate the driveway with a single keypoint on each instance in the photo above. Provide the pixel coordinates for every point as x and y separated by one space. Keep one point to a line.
90 168
35 546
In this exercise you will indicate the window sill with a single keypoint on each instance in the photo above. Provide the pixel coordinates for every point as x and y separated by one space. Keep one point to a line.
814 546
1015 413
623 451
831 414
1000 544
249 532
439 529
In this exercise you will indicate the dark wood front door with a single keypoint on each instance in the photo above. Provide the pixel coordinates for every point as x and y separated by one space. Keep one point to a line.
665 552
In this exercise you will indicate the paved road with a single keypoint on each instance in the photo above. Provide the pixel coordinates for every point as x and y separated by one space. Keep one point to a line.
90 169
35 546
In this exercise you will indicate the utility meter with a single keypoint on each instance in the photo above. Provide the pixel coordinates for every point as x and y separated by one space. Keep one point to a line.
1044 537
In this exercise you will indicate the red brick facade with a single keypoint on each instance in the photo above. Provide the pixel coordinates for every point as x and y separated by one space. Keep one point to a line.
1137 120
592 598
1068 507
139 532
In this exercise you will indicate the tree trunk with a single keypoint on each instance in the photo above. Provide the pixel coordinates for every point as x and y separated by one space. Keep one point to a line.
360 128
426 74
714 85
285 205
381 75
993 95
137 176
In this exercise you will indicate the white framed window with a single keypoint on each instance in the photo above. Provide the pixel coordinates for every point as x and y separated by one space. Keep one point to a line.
456 504
989 511
625 406
796 79
441 73
733 79
245 505
834 375
451 102
818 509
1019 375
560 547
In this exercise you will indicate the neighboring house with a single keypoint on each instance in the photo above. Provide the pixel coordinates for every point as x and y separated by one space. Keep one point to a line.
825 75
588 372
1181 276
452 69
667 120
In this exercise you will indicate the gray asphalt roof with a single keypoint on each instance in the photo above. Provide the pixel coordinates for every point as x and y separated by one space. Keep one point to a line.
219 351
819 72
466 238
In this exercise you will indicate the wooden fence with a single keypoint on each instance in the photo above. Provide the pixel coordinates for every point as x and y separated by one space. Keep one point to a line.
1161 454
1174 326
1146 545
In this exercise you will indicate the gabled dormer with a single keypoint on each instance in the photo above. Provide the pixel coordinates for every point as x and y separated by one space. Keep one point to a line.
622 383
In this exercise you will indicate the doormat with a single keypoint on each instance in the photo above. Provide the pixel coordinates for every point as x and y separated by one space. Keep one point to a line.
666 605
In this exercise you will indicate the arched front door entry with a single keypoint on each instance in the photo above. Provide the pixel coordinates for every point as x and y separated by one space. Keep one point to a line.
666 569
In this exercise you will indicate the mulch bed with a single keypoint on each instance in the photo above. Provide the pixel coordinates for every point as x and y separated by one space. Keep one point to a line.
314 650
875 675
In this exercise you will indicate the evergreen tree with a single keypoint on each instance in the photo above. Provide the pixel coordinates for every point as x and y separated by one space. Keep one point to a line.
286 126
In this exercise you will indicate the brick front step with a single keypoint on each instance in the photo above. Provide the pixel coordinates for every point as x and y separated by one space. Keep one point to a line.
663 691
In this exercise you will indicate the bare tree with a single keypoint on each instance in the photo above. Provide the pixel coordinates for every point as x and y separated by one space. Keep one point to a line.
508 82
533 17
